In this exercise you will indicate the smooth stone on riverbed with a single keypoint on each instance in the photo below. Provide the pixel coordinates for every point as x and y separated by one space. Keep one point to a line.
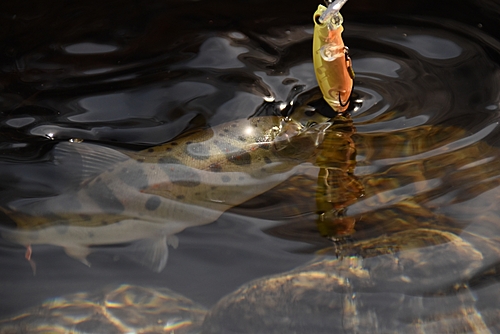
387 290
122 309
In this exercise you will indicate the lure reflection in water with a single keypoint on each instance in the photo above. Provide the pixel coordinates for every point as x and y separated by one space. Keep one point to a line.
337 187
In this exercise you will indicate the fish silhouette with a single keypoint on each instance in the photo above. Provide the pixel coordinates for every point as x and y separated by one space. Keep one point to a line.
147 197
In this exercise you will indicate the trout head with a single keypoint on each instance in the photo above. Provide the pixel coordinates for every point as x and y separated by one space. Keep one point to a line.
295 140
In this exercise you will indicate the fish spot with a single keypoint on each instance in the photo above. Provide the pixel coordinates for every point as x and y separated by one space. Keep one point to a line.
225 178
241 178
90 234
226 130
180 196
105 198
221 135
151 150
152 203
140 160
233 125
198 151
133 177
168 149
178 173
234 154
215 167
267 160
242 139
174 143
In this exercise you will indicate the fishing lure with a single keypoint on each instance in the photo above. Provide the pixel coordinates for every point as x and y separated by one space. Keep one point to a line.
332 63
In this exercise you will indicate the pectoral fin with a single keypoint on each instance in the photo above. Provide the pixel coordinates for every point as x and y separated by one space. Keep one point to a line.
152 253
79 253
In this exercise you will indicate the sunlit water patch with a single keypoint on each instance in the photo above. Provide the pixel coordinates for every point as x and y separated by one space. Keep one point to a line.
391 226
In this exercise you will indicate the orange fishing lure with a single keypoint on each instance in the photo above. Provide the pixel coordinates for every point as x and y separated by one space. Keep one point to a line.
332 63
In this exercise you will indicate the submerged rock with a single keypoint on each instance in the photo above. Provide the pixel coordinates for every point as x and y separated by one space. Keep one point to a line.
123 309
420 287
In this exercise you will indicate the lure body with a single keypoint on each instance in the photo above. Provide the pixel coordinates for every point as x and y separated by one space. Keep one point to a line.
331 60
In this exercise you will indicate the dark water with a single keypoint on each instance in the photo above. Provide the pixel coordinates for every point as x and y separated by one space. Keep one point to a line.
137 74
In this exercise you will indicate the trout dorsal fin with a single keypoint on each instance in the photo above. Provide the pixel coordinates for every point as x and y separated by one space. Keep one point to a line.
90 159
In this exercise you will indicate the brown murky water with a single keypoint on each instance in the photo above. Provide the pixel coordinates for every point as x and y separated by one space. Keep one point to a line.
392 227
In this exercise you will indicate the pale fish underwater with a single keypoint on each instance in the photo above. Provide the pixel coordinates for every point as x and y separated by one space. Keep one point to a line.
147 197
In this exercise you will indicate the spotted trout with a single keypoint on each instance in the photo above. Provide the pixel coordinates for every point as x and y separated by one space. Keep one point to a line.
147 197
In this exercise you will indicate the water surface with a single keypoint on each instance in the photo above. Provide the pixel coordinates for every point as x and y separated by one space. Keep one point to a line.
134 75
